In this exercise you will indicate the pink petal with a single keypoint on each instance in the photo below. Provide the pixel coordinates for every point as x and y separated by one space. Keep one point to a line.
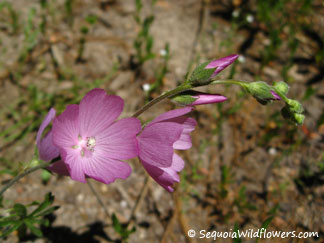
75 164
47 150
106 170
66 128
203 99
171 114
49 117
184 142
221 63
98 111
276 97
166 177
155 143
119 140
60 168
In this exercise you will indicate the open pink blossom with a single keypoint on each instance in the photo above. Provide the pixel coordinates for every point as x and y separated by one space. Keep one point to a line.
221 63
46 149
91 144
157 142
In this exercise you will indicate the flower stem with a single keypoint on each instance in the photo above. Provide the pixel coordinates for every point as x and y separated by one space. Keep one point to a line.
18 177
96 194
170 93
228 81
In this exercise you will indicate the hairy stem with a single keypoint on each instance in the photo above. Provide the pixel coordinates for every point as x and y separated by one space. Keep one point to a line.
168 94
18 177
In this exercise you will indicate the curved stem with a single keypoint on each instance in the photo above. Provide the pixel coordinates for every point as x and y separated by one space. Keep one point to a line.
170 93
18 177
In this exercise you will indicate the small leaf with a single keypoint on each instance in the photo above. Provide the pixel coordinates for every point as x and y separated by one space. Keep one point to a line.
36 231
48 200
15 226
20 210
116 224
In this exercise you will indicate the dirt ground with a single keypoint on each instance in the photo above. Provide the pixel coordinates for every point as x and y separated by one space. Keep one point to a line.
245 159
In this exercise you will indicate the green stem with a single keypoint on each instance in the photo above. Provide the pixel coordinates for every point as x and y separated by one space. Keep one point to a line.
228 81
170 93
282 96
18 177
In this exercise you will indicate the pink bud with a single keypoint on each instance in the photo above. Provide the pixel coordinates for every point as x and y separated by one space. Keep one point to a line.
221 63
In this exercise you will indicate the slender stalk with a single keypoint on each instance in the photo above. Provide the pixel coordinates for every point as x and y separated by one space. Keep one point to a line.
93 190
170 93
139 200
18 177
228 81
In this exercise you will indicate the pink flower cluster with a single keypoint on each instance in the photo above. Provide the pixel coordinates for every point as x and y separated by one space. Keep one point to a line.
91 144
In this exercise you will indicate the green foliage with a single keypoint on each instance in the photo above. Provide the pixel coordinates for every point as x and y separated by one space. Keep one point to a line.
13 16
143 42
31 34
122 229
242 202
19 218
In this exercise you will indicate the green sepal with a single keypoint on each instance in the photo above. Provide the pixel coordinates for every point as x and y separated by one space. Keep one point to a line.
201 75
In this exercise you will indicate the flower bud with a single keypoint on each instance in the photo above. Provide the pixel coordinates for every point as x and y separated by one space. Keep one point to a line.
295 106
202 74
288 114
281 86
192 98
261 91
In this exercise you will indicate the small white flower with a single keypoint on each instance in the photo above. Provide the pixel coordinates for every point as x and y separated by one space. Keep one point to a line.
250 18
163 52
146 87
272 151
236 13
241 59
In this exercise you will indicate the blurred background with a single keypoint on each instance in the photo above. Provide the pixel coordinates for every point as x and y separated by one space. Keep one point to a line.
248 167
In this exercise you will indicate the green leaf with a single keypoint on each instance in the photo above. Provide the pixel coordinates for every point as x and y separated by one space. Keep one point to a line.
201 75
236 229
7 221
48 200
48 211
116 224
20 210
15 226
36 231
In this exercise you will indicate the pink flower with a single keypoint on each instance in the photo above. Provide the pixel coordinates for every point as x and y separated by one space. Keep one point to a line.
221 63
205 98
157 142
91 144
46 149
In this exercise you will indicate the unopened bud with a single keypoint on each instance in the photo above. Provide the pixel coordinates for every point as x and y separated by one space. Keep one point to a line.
281 87
198 98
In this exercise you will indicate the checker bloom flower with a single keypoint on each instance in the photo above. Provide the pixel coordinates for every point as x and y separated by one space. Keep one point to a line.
91 144
157 142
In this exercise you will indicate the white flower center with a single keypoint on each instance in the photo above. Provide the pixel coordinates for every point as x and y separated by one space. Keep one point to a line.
86 146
